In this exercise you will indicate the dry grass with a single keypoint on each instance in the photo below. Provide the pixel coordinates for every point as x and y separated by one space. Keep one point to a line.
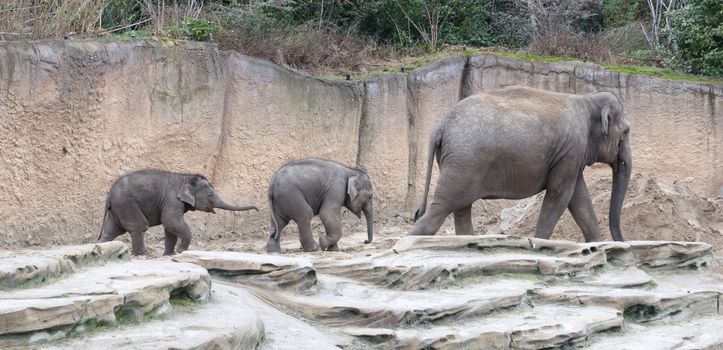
34 19
555 33
41 19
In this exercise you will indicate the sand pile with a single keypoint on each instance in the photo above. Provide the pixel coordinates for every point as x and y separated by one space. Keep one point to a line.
652 211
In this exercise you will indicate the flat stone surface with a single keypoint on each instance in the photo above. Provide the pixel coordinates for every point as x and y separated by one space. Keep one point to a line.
672 254
542 327
646 253
18 268
614 277
226 322
268 271
640 305
133 288
421 269
703 333
442 292
284 331
406 243
342 302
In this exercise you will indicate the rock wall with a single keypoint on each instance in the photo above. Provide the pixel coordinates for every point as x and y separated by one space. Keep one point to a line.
74 115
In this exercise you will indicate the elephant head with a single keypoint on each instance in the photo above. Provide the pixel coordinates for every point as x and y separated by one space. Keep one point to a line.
200 195
610 139
359 190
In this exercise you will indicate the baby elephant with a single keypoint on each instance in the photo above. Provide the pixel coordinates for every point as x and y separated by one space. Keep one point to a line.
152 197
304 188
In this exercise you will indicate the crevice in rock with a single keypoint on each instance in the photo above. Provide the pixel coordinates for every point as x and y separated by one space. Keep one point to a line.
364 125
640 312
412 113
466 82
225 122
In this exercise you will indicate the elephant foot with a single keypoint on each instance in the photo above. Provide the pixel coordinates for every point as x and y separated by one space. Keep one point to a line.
327 244
139 252
310 247
273 246
169 253
414 232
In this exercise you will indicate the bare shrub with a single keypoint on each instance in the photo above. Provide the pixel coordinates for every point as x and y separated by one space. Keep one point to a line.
163 16
553 31
304 46
626 38
301 47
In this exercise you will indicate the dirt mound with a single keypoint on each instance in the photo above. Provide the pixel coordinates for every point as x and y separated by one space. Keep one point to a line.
652 211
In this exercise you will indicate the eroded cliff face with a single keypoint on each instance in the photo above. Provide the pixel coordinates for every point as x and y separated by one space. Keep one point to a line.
74 115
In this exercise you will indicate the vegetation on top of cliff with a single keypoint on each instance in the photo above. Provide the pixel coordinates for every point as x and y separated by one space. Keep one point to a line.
323 36
659 72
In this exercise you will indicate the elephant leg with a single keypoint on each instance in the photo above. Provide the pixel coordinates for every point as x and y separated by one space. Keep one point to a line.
463 221
274 245
173 222
305 236
111 230
431 221
331 218
131 217
297 208
559 193
138 246
582 211
169 242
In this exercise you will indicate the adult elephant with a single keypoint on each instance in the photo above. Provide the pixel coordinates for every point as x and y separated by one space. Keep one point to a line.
515 142
151 197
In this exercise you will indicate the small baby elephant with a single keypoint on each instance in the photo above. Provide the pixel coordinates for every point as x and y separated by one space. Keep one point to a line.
305 188
150 197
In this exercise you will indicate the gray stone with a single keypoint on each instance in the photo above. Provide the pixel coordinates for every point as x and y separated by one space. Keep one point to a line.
132 289
700 334
542 327
343 302
268 271
640 305
288 332
615 278
672 254
227 322
421 269
18 268
461 242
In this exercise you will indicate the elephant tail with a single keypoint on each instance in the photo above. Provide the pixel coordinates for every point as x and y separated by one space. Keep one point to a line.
435 139
272 209
105 215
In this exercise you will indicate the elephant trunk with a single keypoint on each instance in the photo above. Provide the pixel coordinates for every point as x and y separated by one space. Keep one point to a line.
369 214
223 205
621 177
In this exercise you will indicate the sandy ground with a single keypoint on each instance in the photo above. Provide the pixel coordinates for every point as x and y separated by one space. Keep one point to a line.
652 211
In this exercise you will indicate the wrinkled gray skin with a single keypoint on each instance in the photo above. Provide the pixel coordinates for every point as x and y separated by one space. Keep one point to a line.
150 197
302 189
515 142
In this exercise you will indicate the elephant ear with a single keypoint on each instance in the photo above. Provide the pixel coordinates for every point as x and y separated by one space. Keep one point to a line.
352 187
186 194
605 119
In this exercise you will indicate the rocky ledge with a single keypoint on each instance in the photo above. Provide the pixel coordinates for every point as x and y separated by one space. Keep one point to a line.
439 292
